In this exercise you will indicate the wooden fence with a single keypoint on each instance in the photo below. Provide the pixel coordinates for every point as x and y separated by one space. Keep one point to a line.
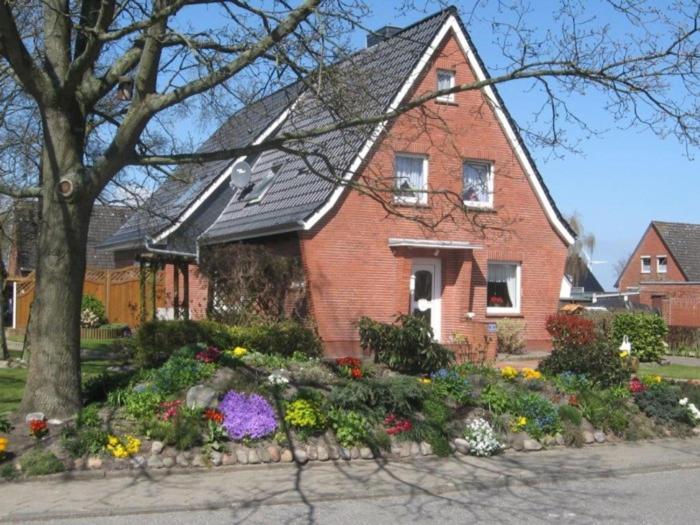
118 290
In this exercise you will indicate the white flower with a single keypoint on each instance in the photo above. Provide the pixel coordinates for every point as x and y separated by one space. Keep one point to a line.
277 379
481 438
683 402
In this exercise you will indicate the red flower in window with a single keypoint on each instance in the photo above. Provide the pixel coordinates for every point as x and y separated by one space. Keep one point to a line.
496 301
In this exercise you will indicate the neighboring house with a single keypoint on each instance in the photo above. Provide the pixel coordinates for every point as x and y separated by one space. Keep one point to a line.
665 269
22 232
503 259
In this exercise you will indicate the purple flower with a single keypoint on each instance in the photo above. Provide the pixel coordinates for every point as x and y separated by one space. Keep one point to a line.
247 416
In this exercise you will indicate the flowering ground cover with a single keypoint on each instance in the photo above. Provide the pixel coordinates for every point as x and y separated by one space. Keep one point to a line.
206 405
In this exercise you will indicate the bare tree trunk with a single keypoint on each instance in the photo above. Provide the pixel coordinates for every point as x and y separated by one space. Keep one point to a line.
53 381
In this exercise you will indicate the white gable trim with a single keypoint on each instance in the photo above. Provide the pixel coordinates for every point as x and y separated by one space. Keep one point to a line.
451 24
225 175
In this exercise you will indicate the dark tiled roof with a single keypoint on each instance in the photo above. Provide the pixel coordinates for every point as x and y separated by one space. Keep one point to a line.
105 220
683 240
588 281
377 73
188 182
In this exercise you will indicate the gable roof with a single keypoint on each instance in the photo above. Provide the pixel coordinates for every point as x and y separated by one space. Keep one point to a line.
683 241
298 198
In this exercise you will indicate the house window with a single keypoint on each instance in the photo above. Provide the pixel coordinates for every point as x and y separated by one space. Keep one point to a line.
411 176
477 180
661 264
445 80
646 264
255 192
503 288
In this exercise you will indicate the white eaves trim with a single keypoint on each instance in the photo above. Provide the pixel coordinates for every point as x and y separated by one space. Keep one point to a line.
225 175
432 243
451 24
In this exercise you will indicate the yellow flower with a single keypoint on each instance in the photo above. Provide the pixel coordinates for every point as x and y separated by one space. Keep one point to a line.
425 380
238 352
3 445
529 373
518 424
124 447
657 379
508 372
623 355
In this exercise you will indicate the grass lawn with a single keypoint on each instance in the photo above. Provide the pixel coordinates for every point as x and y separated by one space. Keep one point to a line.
670 371
12 381
88 344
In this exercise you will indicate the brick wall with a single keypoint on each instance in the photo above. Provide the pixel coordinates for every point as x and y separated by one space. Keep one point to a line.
198 291
351 271
679 303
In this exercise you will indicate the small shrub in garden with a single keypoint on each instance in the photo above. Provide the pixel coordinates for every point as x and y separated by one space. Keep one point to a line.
570 414
510 336
663 404
598 361
646 332
570 383
283 338
573 435
604 409
179 373
569 331
408 346
350 427
157 340
305 416
137 404
86 436
448 383
39 462
92 312
495 398
542 416
247 416
481 438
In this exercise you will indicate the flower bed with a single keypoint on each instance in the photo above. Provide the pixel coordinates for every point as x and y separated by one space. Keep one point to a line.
209 406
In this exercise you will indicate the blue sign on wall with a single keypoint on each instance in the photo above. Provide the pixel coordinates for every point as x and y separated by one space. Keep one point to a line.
491 327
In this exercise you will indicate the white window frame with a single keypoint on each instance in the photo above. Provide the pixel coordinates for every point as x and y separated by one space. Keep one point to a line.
658 264
421 195
506 310
450 97
489 183
641 262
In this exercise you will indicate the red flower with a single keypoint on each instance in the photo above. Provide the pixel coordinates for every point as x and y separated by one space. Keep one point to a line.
210 355
496 301
395 425
213 414
38 427
573 400
356 372
636 386
168 409
349 361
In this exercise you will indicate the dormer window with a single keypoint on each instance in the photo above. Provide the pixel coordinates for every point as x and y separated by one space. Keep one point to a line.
445 80
261 187
646 264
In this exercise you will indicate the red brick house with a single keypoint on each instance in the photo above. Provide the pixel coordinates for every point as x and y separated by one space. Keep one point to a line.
665 269
503 258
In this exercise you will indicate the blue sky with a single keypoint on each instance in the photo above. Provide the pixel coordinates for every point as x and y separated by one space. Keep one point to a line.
617 182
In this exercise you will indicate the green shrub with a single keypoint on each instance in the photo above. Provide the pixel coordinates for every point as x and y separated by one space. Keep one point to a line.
92 312
604 409
495 398
510 336
399 395
39 462
661 404
408 346
137 404
5 425
542 416
598 361
8 472
646 332
350 427
79 441
179 373
306 416
97 388
569 414
449 384
183 431
284 338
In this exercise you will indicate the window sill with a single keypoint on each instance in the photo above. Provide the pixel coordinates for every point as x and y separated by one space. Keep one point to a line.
486 208
503 314
446 102
408 204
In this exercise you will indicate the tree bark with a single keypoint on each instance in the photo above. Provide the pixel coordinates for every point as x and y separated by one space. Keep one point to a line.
53 380
4 352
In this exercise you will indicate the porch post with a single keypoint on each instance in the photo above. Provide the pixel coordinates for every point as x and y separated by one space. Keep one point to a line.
186 294
142 292
176 291
154 275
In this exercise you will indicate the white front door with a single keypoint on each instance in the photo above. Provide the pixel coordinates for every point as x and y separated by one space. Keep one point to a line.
426 285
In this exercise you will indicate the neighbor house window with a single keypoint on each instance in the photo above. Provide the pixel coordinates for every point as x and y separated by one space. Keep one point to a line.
411 176
445 80
503 288
646 264
661 264
477 183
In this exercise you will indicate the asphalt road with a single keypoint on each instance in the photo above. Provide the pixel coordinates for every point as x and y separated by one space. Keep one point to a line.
654 497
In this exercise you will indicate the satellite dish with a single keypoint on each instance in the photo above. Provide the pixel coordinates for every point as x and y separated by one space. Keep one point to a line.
240 174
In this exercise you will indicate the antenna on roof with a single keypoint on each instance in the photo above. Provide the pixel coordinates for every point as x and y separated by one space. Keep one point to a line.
240 175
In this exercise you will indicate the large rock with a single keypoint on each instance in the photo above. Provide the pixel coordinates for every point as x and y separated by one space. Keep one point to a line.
322 452
531 445
216 458
168 462
301 456
366 453
157 447
286 456
201 396
242 456
222 379
94 463
599 436
462 446
181 460
274 452
426 448
588 437
253 457
312 452
517 440
155 461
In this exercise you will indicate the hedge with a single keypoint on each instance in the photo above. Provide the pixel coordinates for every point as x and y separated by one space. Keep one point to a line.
646 332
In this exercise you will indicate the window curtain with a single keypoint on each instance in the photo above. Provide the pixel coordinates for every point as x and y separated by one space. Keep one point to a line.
476 186
409 172
505 273
444 80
